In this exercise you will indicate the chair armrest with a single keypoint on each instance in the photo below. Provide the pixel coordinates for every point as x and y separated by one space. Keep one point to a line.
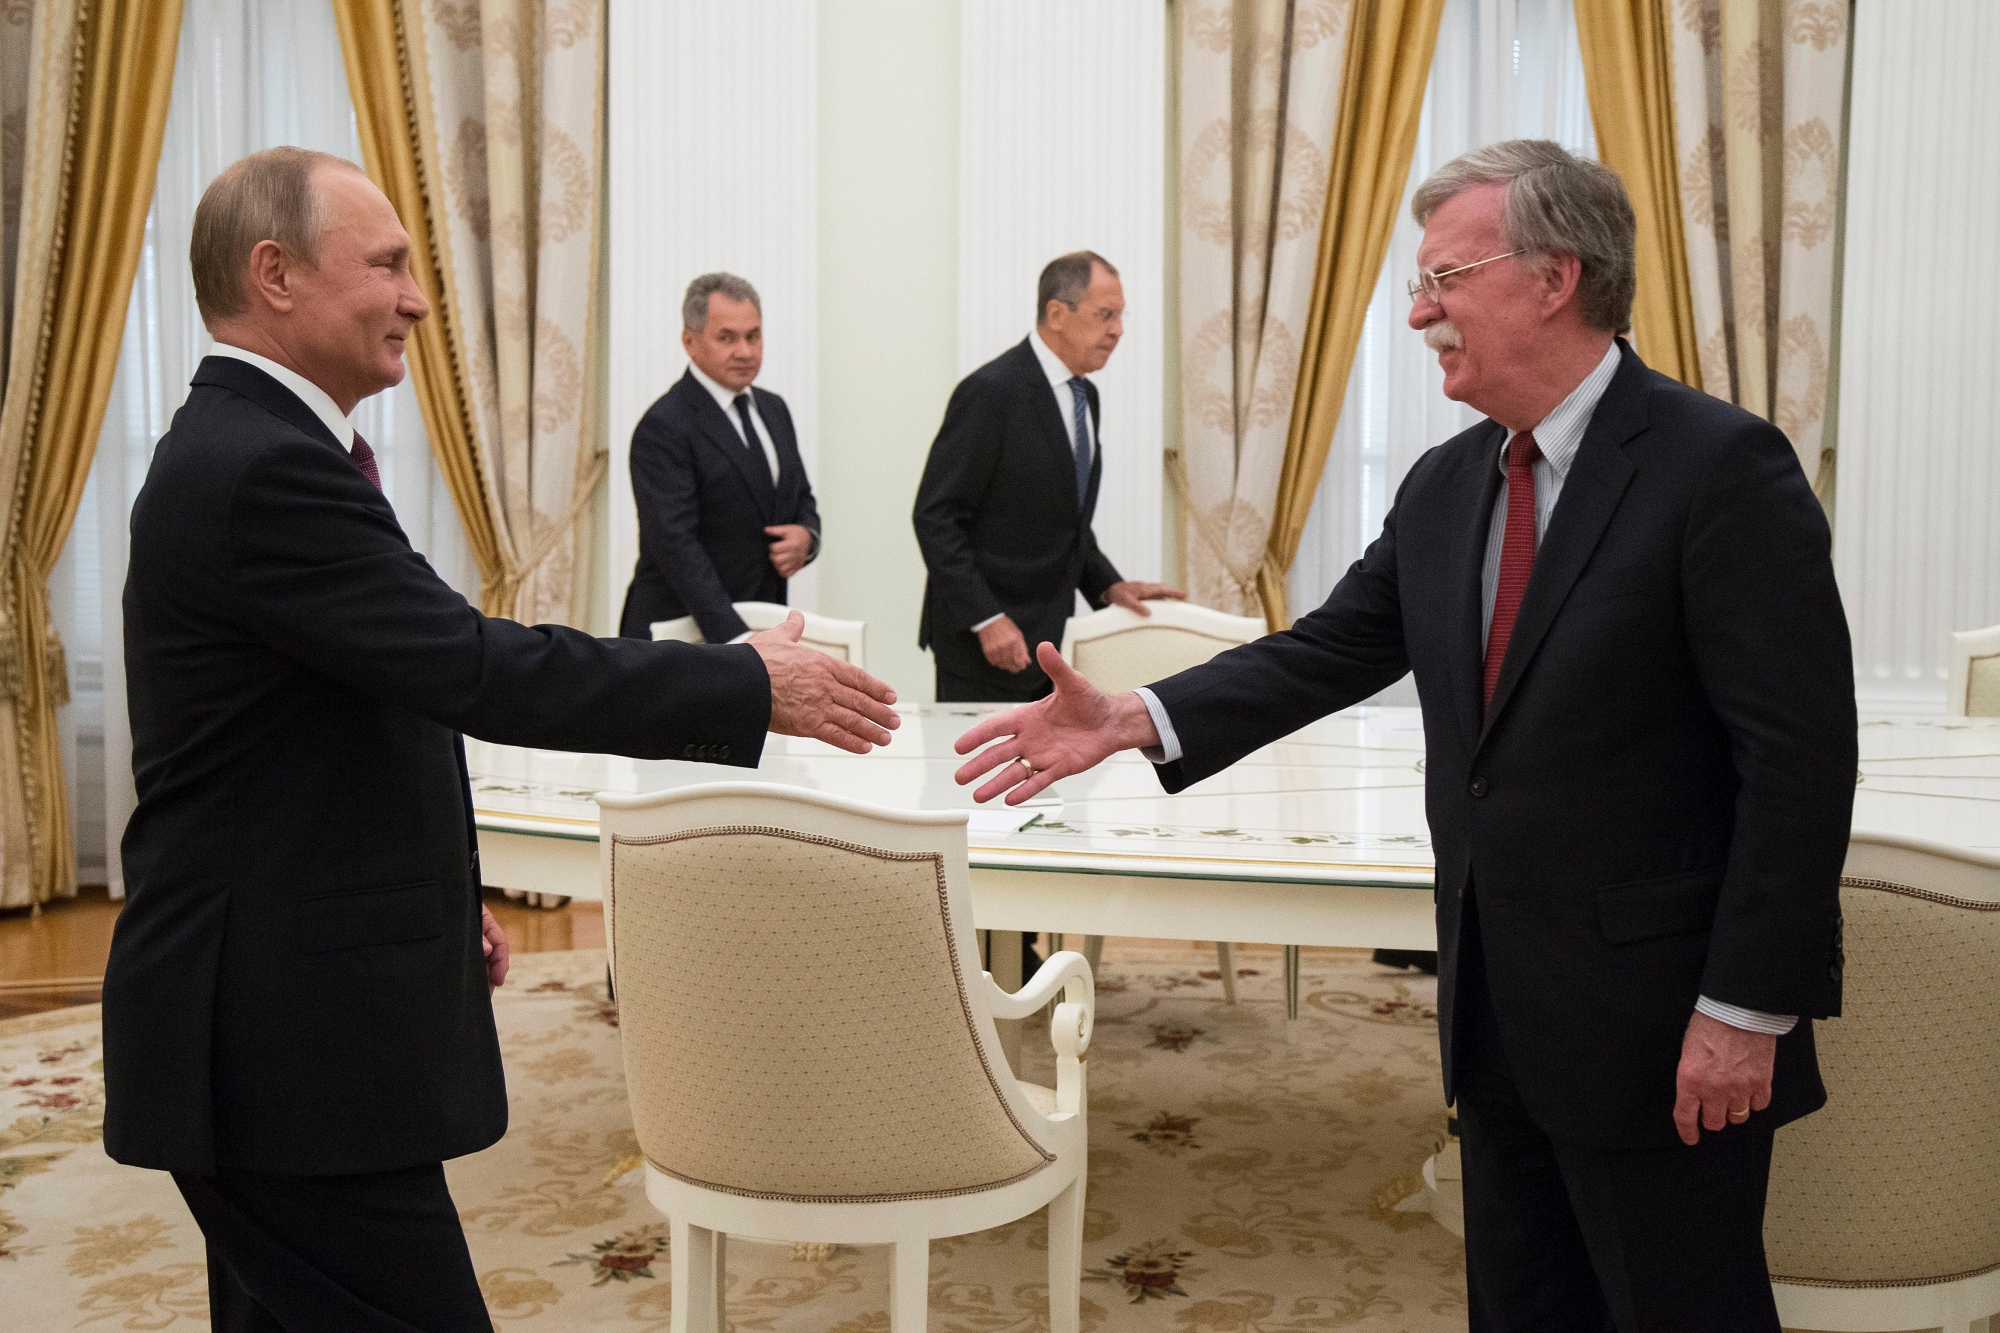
1066 971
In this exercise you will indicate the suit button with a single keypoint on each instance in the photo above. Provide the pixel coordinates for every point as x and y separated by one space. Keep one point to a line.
724 753
687 752
1478 787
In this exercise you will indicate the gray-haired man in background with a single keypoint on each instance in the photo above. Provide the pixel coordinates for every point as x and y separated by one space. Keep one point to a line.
726 513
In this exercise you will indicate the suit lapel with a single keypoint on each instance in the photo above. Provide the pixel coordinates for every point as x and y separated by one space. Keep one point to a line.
722 433
1470 517
1590 495
1042 402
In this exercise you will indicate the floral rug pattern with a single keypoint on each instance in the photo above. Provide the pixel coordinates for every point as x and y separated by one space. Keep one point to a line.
1243 1179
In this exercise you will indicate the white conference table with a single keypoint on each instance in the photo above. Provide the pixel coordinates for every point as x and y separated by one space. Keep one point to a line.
1317 839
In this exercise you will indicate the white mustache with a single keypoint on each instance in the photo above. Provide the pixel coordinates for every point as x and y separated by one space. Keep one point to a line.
1443 336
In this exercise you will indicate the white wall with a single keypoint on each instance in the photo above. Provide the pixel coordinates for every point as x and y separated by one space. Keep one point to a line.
712 130
1062 146
1917 497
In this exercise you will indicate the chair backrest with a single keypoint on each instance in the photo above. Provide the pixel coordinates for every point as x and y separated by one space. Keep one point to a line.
1897 1180
1116 649
1974 689
832 636
796 977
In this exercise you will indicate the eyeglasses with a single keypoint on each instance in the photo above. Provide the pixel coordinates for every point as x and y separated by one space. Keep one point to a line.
1427 283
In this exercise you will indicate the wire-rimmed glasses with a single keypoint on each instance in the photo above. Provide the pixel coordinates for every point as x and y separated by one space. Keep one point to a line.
1426 282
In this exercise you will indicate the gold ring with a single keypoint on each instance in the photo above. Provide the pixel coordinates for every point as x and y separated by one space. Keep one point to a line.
1022 760
1740 1116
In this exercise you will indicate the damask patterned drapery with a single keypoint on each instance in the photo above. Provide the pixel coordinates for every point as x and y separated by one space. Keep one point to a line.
483 122
1759 92
1260 84
86 84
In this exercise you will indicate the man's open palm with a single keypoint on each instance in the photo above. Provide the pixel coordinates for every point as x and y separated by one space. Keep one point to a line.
1073 730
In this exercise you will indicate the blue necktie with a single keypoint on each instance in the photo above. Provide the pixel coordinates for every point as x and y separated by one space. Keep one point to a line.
1082 438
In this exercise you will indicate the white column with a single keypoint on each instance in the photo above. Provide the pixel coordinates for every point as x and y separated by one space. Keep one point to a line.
713 125
1917 526
1062 146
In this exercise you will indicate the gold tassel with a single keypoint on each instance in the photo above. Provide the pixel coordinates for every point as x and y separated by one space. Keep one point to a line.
56 663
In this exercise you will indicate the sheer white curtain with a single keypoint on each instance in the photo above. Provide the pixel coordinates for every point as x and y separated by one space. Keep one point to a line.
1504 69
251 74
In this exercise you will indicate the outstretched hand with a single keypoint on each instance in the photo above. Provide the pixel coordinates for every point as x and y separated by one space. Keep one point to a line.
823 697
1073 730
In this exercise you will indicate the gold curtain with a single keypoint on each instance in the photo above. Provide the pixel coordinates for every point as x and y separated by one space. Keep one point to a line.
1759 105
1381 101
101 76
483 122
1627 69
377 55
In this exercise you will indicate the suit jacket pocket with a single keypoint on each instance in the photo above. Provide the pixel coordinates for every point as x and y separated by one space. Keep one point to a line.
1647 908
391 914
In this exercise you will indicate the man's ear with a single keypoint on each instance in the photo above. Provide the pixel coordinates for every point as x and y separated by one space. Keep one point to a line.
687 341
1561 275
270 274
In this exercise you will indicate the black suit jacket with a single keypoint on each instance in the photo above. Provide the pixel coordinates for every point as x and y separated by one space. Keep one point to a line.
704 501
998 521
1656 805
296 983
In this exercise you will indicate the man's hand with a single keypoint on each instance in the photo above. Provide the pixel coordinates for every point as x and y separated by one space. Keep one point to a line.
820 696
493 942
791 543
1725 1074
1003 645
1074 729
1134 596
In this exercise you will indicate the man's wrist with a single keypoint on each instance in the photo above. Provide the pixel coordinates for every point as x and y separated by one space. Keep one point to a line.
1133 726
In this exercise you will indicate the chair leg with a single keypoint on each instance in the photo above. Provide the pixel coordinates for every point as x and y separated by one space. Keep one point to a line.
695 1301
1291 982
1066 1257
720 1281
1093 951
1225 958
910 1278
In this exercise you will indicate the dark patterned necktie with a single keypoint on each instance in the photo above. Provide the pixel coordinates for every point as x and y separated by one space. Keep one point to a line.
1080 398
364 458
1517 554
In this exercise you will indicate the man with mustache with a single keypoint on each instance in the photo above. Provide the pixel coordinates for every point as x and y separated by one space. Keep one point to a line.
1618 600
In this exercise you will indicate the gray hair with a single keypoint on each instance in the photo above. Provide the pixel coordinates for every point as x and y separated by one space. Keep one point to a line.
1066 279
267 196
694 309
1554 202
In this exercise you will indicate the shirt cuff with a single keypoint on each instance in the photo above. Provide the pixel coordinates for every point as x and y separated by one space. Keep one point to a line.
984 623
1168 751
1750 1020
744 637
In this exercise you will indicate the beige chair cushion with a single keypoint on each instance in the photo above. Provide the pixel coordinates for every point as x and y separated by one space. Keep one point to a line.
1897 1180
1982 687
1135 657
796 1021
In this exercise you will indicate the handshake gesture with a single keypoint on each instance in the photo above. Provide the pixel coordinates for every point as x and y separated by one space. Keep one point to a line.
1076 728
823 697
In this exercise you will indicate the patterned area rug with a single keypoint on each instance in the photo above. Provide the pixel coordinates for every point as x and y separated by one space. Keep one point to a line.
1243 1179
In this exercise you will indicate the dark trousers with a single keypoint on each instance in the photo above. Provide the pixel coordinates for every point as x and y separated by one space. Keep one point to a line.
1561 1239
378 1253
990 685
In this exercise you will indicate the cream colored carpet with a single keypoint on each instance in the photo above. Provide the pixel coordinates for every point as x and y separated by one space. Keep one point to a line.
1242 1180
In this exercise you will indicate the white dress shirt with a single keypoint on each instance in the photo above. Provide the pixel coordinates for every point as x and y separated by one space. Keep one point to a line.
726 400
1059 378
1558 436
308 393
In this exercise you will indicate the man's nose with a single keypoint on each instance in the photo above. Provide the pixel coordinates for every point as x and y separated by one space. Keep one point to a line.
413 304
1425 312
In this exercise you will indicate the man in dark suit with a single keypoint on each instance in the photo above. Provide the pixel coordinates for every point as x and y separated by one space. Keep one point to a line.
297 1020
1618 600
1003 510
726 513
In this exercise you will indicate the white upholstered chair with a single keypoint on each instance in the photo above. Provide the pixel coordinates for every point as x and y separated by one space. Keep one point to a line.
1118 650
834 637
1974 690
1884 1210
809 1044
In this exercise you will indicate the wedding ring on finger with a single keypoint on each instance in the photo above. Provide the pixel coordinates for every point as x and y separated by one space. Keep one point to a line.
1022 760
1738 1117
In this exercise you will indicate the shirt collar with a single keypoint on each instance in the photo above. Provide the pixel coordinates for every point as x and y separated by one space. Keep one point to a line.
1052 365
1560 433
724 399
305 390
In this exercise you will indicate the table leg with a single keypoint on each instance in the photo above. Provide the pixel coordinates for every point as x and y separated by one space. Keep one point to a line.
1004 954
1291 983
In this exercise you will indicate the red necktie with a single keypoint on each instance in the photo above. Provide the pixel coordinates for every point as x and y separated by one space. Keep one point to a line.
364 458
1517 554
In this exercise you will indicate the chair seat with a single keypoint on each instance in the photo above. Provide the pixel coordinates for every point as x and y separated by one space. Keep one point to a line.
1041 1098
